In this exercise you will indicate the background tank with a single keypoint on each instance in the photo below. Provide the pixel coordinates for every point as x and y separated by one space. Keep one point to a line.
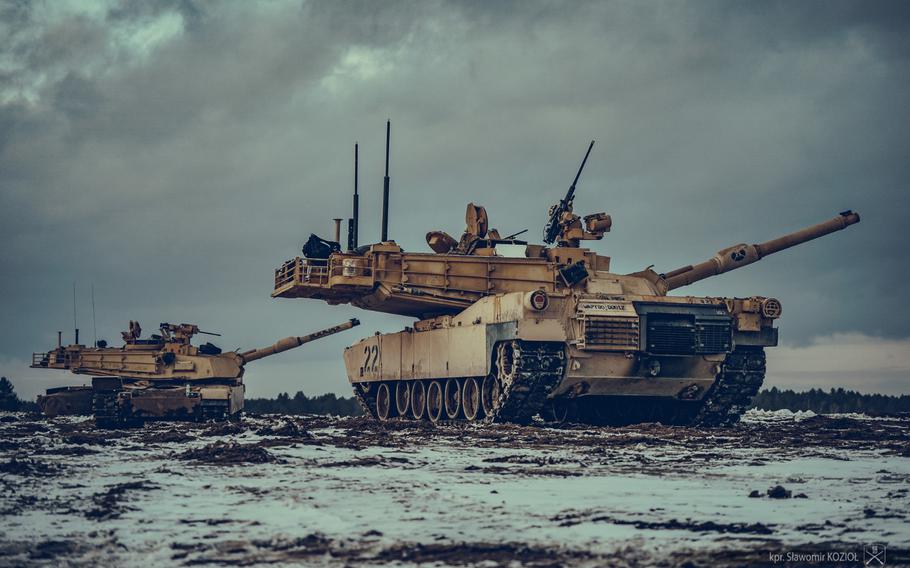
64 401
163 377
508 329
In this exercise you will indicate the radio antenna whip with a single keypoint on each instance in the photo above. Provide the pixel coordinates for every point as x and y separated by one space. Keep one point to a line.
385 185
75 329
94 323
356 211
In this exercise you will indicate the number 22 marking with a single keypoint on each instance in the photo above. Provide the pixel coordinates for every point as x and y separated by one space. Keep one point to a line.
371 355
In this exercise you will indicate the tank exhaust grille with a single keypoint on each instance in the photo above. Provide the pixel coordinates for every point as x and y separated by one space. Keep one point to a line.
614 332
671 335
676 334
713 337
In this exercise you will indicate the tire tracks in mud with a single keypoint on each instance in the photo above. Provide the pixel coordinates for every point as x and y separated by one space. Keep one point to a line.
37 452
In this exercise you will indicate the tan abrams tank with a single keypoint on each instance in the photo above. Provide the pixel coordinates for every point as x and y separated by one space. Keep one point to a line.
164 377
507 330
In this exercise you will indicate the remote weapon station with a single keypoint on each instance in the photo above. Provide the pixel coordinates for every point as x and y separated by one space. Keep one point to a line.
164 377
507 330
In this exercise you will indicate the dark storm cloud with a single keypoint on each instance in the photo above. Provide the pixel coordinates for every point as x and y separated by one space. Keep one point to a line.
174 153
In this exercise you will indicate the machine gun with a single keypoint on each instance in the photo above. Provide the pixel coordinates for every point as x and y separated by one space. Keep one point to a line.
554 223
181 333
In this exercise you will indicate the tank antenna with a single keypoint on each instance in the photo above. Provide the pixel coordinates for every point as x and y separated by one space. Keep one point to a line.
94 322
352 239
75 329
385 185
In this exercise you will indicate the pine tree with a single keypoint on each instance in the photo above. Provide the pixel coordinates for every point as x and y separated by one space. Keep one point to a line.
8 398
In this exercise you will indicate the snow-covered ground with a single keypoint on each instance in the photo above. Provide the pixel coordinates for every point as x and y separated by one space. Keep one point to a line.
318 490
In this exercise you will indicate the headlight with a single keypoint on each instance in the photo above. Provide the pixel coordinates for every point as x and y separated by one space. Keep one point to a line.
538 300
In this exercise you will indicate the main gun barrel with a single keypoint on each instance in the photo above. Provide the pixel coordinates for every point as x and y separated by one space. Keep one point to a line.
741 255
292 342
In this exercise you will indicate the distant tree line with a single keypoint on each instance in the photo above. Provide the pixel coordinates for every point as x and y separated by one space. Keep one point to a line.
833 401
302 404
816 400
10 401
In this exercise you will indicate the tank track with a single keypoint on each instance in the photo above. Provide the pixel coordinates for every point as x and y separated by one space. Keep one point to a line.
106 411
366 400
217 413
735 386
536 369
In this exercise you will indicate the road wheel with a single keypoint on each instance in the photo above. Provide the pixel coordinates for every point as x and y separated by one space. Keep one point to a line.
435 401
418 400
383 402
470 398
489 395
53 406
453 398
402 397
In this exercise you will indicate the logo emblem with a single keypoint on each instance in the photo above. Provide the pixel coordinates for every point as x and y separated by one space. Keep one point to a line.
539 300
874 555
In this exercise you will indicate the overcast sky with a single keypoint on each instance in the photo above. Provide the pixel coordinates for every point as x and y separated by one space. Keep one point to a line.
173 154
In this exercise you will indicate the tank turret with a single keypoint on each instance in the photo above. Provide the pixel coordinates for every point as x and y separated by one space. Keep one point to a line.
162 377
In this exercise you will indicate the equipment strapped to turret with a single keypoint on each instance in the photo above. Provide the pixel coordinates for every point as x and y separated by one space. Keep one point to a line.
317 248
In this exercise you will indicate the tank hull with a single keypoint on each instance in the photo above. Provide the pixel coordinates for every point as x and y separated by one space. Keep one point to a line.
118 402
66 401
115 402
588 358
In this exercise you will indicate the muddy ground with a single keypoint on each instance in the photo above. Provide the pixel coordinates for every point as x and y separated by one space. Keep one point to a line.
347 491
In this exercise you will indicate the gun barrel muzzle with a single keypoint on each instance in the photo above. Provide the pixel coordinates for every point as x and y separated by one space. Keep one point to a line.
741 255
842 221
292 342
